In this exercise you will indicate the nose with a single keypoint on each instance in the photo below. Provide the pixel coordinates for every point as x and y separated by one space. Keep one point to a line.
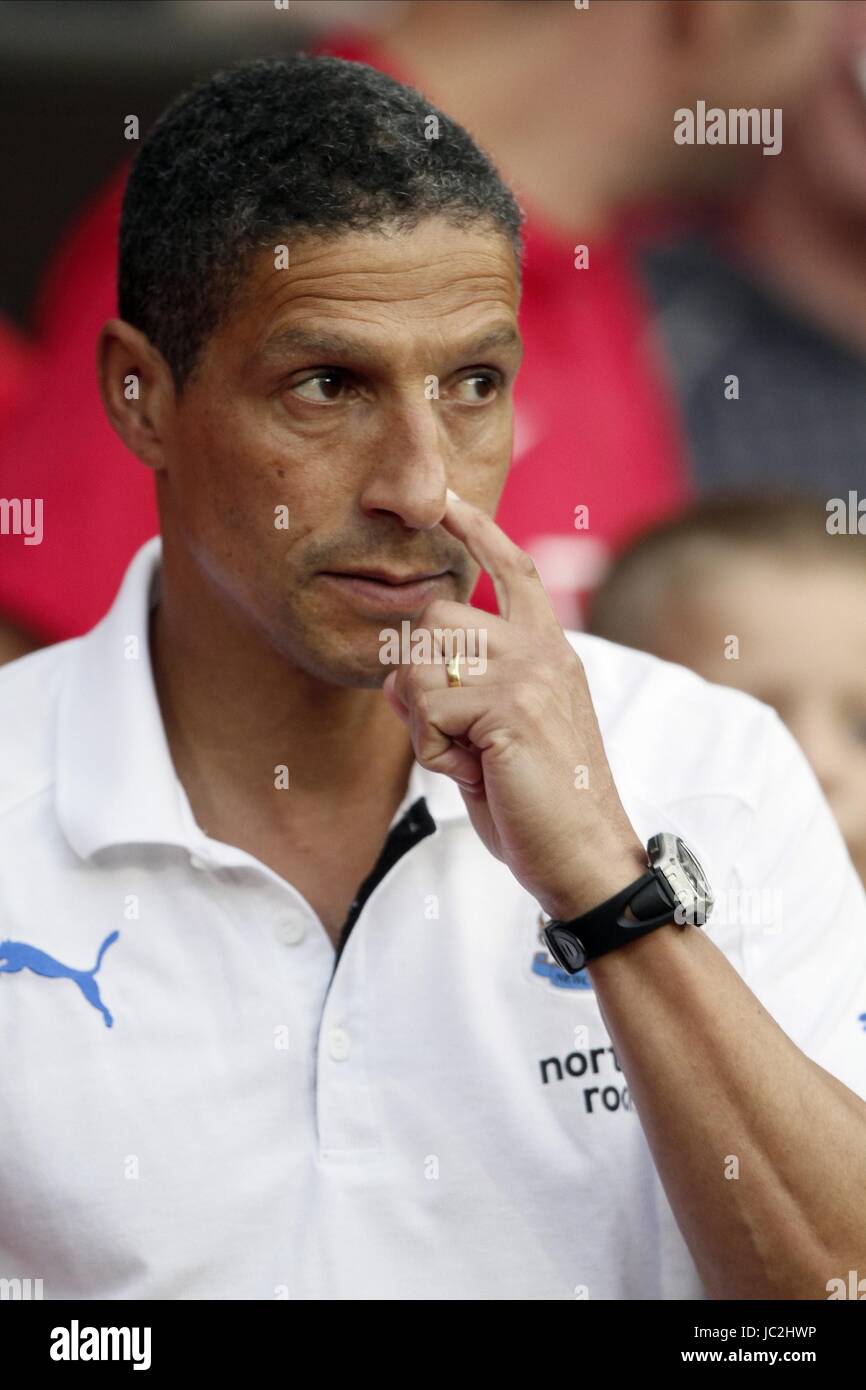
409 474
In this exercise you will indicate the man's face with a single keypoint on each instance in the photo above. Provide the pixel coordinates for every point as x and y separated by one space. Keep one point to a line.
802 648
346 392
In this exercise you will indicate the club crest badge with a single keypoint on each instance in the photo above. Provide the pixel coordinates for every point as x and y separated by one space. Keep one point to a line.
543 964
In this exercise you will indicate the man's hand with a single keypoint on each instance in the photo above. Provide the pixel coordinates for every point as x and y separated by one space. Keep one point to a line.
521 740
710 1072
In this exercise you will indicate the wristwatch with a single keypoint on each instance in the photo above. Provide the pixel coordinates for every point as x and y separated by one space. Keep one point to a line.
674 889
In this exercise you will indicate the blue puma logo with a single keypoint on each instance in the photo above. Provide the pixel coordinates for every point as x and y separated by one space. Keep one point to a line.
17 955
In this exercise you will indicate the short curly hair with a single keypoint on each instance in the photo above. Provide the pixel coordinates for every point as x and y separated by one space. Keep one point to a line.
268 146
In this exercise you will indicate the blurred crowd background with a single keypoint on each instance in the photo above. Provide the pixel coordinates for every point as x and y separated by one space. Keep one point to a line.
693 397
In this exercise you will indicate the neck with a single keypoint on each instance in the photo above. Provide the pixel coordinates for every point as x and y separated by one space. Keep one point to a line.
812 251
236 711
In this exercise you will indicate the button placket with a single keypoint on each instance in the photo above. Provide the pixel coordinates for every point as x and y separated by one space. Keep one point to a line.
346 1118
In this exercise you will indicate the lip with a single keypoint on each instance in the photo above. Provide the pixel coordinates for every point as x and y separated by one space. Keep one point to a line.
387 594
387 576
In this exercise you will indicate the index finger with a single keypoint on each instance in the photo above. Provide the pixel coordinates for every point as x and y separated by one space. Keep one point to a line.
520 594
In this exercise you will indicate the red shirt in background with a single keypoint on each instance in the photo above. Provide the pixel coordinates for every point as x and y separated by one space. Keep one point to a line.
15 361
594 427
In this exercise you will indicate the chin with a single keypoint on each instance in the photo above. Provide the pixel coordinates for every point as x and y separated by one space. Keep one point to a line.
359 679
358 668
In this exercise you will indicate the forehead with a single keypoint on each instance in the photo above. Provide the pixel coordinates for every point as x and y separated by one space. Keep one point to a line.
436 279
804 617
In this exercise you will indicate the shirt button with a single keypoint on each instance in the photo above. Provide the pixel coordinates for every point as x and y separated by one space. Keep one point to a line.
339 1046
290 931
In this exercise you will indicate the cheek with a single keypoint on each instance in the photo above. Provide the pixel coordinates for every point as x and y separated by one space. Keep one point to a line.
225 467
479 469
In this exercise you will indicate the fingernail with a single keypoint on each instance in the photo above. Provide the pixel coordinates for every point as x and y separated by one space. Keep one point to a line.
449 492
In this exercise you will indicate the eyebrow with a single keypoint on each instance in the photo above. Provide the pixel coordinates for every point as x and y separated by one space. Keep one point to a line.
325 344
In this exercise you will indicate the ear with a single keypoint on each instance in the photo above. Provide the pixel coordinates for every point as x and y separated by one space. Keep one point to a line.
137 390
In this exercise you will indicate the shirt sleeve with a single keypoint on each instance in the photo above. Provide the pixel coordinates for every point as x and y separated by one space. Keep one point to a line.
804 906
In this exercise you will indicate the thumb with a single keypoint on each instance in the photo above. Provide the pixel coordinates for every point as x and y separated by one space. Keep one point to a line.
394 700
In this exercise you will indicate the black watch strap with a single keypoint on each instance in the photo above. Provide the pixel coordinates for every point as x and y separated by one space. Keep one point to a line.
574 944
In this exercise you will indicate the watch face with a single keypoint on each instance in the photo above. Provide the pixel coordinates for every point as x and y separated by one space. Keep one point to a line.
683 872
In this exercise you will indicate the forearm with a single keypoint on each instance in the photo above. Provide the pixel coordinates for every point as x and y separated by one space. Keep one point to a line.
715 1079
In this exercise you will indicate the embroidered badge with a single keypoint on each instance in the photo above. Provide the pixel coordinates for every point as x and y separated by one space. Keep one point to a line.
544 964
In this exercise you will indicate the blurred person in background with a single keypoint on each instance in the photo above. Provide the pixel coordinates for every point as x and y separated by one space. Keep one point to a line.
15 362
577 108
773 291
15 353
755 592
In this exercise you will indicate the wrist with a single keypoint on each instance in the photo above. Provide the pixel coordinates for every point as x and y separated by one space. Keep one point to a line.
627 898
608 875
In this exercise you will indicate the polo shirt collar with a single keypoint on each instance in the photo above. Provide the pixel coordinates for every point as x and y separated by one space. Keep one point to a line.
115 779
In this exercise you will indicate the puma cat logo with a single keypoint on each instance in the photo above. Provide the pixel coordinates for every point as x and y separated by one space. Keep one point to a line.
18 955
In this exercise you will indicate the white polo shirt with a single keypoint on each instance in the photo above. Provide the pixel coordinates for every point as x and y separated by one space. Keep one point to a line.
442 1114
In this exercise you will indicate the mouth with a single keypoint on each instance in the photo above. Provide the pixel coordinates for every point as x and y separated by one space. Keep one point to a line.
385 591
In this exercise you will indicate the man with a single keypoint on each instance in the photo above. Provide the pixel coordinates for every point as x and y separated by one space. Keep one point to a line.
284 1020
597 450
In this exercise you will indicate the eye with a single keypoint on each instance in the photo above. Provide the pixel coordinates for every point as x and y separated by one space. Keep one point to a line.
485 383
328 380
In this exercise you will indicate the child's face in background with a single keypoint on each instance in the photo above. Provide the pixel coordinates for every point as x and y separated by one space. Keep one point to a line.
801 626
